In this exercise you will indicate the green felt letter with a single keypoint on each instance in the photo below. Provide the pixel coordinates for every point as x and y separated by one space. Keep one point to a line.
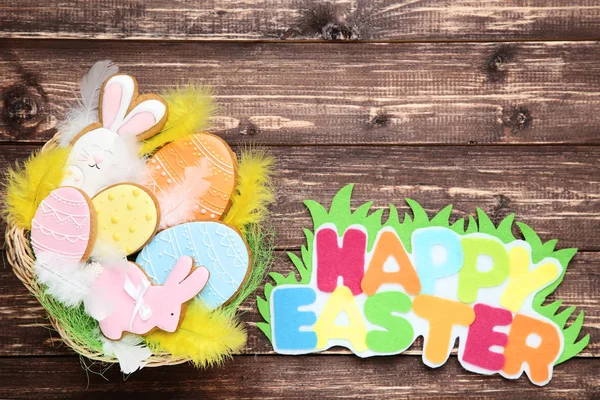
399 332
470 278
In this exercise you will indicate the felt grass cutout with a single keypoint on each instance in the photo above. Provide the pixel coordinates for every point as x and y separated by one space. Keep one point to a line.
539 250
341 216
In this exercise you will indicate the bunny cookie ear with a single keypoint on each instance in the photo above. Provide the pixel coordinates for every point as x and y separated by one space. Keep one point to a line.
188 285
116 96
180 270
193 284
124 112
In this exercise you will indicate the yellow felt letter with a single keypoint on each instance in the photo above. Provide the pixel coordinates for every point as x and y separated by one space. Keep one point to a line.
341 300
522 282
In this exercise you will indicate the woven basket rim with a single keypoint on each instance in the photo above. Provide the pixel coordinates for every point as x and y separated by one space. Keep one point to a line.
20 257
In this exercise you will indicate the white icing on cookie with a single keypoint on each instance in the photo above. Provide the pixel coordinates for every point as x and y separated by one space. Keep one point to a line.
94 161
108 154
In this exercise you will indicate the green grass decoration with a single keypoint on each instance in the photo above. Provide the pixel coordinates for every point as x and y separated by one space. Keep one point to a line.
539 251
81 328
342 217
262 246
84 330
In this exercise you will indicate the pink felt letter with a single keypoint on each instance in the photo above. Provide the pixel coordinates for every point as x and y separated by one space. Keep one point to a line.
482 336
347 261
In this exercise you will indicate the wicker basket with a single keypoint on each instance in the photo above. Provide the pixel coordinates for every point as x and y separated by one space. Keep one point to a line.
20 257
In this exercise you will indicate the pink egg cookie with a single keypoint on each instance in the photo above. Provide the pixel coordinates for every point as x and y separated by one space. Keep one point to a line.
64 224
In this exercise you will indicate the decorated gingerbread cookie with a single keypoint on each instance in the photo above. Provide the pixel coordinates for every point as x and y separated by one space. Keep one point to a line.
127 215
104 200
64 225
214 245
139 307
213 162
104 153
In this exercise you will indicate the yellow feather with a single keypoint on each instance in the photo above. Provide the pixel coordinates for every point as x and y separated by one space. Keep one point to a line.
30 183
205 338
254 190
189 109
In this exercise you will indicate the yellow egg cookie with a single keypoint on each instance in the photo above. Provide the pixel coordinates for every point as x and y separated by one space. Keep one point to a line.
213 163
127 216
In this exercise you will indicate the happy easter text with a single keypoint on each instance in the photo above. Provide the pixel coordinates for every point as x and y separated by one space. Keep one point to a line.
377 301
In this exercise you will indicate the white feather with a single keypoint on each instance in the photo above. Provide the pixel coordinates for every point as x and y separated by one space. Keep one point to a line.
130 351
107 255
68 281
85 110
91 83
75 121
132 167
177 204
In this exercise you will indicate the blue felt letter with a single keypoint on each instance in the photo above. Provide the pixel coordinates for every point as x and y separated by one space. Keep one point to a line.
429 271
286 318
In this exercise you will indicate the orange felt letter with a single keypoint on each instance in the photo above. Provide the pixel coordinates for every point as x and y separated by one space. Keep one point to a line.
540 358
442 314
389 245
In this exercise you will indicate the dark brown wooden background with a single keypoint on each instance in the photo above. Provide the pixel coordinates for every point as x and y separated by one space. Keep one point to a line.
488 103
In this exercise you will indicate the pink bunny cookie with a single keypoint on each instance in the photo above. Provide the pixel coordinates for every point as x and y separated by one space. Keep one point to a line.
133 304
106 152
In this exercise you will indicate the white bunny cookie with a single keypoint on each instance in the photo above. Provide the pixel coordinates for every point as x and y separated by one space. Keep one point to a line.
106 152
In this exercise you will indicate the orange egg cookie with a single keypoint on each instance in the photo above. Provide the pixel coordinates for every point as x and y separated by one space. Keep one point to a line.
212 161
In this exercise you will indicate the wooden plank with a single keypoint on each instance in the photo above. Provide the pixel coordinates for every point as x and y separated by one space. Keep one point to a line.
274 377
24 334
301 20
269 93
554 189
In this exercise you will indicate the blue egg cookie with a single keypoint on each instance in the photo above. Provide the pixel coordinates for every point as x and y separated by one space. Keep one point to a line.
214 245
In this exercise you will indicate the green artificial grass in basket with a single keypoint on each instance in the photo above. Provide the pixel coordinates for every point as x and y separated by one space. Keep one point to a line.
261 242
81 328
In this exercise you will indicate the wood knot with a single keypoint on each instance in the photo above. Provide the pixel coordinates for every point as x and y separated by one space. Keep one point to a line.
496 67
333 31
248 128
21 108
381 119
327 21
517 118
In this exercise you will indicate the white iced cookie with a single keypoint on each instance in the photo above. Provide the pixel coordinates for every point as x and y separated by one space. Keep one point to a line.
106 152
